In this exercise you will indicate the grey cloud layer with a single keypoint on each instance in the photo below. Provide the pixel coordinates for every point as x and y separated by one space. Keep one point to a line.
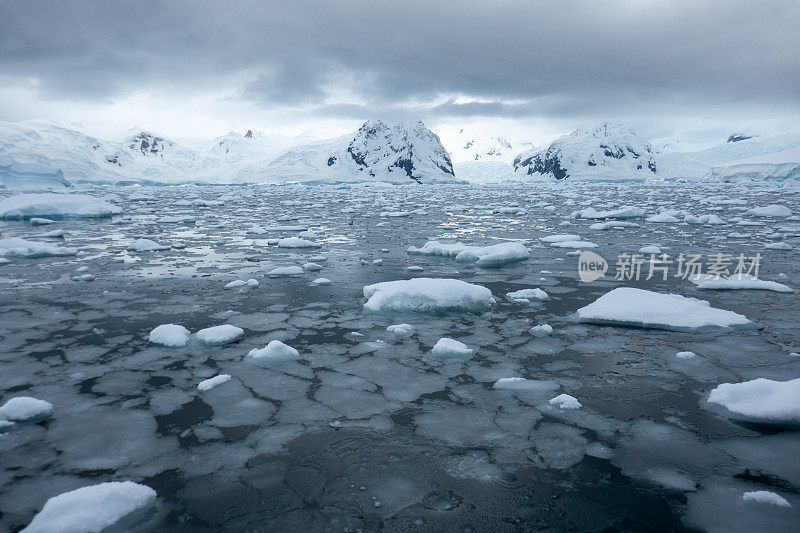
525 57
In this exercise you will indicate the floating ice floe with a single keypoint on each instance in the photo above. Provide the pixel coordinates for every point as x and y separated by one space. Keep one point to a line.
772 210
685 355
275 351
427 295
94 508
778 246
622 212
650 250
16 247
220 334
285 271
313 267
36 221
321 281
210 383
613 224
760 400
534 386
542 330
401 330
176 219
494 256
578 245
703 219
738 281
146 245
662 217
439 248
55 205
172 335
24 408
297 242
242 283
766 496
638 307
446 347
525 295
560 238
565 401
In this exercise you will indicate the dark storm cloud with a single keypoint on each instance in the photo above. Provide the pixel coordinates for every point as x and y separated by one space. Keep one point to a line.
519 58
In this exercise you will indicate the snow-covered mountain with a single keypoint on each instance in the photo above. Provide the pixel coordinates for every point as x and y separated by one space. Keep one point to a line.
401 152
609 151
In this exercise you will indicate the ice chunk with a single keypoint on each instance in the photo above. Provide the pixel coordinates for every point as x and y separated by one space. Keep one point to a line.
685 355
772 210
220 334
560 238
579 245
760 400
25 408
170 335
242 283
542 330
639 307
94 508
401 330
439 248
36 221
321 281
427 295
495 256
738 281
565 401
766 496
622 212
297 242
285 271
662 217
146 245
528 294
210 383
650 250
778 246
527 385
55 205
313 267
275 351
446 347
25 248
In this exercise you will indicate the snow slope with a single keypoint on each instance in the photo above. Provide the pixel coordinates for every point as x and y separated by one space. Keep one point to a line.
609 151
699 164
780 166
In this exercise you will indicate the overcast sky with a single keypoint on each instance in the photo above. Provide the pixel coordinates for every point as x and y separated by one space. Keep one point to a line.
695 69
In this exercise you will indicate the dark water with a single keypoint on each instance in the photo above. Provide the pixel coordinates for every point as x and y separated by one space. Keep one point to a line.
367 431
